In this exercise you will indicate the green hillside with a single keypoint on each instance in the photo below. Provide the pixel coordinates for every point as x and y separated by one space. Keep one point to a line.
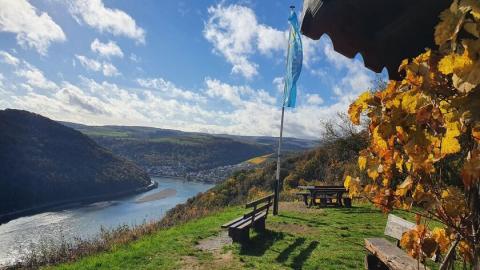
43 162
173 152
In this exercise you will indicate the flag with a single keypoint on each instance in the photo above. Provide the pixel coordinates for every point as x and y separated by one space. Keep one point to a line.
294 62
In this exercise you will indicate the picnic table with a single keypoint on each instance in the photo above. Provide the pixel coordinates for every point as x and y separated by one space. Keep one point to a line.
325 194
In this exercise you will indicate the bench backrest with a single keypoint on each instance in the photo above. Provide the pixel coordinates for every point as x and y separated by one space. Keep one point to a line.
396 226
268 198
264 203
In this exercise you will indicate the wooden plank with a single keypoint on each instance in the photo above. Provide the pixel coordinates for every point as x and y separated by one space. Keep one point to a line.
228 224
392 256
257 210
249 222
396 226
259 201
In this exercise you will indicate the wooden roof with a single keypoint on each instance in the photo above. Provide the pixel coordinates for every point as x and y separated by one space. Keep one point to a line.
384 32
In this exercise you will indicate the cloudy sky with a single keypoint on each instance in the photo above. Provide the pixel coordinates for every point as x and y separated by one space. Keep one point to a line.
209 66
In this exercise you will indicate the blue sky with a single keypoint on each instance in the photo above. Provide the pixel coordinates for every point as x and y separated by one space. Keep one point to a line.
209 66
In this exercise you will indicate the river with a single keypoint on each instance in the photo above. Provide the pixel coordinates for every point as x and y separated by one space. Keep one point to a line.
18 235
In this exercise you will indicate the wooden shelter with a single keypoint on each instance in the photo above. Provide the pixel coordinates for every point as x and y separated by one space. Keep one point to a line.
384 32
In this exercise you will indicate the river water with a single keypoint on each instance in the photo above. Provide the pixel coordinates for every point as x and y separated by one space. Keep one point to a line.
17 236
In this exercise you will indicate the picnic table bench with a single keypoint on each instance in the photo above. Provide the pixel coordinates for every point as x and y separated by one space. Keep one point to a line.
383 254
239 228
326 194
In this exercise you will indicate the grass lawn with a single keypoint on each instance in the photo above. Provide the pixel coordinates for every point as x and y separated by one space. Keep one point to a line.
297 238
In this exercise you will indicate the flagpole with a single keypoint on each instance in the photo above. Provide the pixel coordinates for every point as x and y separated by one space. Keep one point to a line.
277 176
279 152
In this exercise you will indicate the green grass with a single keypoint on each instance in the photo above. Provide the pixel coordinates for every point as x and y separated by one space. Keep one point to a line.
298 238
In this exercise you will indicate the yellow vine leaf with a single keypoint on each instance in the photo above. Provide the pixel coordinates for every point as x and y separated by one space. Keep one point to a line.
352 185
453 201
357 107
450 144
362 162
449 26
454 63
473 6
440 236
403 188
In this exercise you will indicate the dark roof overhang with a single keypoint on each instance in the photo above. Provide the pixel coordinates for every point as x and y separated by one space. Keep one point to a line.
384 32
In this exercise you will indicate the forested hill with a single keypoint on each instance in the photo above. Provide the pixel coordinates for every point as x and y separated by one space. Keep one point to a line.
42 162
173 152
324 165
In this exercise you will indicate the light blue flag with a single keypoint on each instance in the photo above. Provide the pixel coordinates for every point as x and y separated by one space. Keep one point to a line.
294 62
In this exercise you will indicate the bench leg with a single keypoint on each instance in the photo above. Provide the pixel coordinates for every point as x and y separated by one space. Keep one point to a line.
259 225
323 202
347 202
239 236
305 199
373 263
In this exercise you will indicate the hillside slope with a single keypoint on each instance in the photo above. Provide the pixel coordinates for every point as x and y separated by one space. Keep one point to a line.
42 161
176 153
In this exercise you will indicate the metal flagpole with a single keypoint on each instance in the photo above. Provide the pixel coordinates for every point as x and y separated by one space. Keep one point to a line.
277 175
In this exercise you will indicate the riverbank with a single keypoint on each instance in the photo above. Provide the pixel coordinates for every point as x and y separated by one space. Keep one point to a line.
162 194
66 204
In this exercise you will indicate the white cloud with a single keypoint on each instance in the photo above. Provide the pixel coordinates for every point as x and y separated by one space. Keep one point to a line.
104 19
236 34
357 78
1 79
314 99
134 58
232 94
106 49
32 29
170 89
278 82
233 31
108 69
35 78
7 58
88 63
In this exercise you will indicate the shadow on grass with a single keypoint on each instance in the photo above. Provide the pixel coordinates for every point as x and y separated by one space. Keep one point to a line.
258 244
283 256
303 256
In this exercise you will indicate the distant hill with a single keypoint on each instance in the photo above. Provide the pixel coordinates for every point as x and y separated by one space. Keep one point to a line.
43 162
178 153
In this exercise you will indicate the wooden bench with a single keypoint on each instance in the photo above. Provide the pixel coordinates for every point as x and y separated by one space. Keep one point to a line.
383 254
239 228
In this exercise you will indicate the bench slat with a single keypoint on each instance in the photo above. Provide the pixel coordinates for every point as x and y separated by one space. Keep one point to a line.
396 226
259 201
228 224
392 256
249 221
258 210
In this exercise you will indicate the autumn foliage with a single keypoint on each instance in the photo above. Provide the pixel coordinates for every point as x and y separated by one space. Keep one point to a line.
424 153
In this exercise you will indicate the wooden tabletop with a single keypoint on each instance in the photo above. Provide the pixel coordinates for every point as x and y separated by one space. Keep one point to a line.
333 188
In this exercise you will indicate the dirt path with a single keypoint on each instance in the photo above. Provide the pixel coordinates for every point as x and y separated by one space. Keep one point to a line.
215 245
